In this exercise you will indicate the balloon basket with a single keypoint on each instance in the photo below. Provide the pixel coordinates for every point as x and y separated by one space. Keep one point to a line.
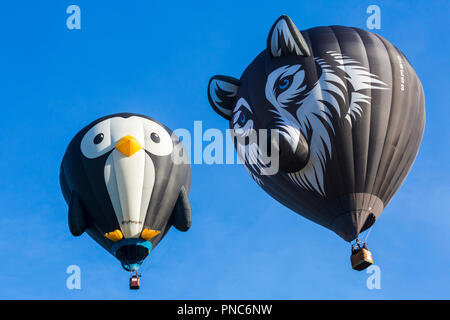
361 259
134 282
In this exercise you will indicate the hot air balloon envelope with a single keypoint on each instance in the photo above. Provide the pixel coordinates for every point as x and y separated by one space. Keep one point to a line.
349 112
126 180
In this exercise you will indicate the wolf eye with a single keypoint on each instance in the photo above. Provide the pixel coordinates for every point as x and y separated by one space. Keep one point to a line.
284 83
242 119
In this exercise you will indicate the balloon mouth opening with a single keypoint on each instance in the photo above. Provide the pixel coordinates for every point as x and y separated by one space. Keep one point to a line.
131 267
132 252
349 225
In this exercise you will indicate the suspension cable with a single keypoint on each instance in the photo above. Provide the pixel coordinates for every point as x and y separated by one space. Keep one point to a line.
368 233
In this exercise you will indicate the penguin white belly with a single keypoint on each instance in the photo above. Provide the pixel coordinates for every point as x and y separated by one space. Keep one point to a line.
130 181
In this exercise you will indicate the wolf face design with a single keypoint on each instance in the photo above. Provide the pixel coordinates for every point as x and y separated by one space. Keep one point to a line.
327 121
311 111
306 98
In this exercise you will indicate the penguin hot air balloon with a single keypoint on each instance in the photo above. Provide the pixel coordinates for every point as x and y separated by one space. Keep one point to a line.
348 112
126 180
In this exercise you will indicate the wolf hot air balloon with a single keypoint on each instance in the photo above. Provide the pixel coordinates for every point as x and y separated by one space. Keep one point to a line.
349 112
126 180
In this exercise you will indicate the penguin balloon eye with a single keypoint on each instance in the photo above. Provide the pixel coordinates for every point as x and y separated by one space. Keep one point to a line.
99 138
158 140
97 141
155 137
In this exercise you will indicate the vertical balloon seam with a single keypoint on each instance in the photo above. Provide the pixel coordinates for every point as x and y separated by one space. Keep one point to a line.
367 200
377 175
367 126
378 133
395 132
365 197
349 165
414 141
412 115
400 149
381 130
348 154
395 128
349 132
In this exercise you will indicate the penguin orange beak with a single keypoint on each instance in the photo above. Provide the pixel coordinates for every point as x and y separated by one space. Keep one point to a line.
128 146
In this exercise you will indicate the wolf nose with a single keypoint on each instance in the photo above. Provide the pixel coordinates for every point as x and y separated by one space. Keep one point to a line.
292 150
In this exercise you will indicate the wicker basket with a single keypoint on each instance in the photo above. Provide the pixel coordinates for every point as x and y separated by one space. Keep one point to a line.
134 282
361 259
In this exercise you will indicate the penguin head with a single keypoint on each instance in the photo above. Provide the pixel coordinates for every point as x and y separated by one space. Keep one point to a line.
126 135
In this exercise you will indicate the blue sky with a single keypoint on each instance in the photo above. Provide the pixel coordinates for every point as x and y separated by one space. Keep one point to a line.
156 58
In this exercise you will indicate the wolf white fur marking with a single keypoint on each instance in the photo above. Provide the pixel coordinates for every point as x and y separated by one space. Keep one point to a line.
318 106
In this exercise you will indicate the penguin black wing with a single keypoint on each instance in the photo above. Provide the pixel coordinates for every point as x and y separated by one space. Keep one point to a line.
77 213
77 222
181 217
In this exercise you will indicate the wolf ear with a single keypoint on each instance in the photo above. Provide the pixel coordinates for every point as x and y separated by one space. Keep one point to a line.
285 40
222 91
